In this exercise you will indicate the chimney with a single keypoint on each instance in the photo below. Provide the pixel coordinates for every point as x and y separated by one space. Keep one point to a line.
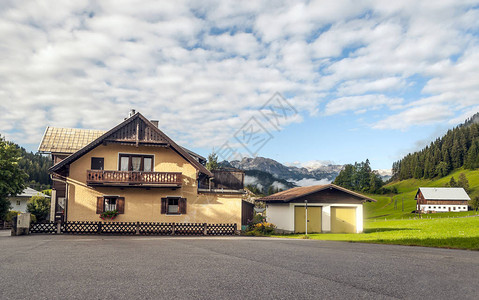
131 113
155 122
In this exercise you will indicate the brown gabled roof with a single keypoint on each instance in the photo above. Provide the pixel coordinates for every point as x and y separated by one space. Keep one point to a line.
297 192
67 140
120 133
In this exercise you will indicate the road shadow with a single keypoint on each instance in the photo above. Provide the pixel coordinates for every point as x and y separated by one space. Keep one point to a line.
371 230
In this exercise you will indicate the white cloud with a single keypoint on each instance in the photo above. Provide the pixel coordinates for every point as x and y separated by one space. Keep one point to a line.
311 165
311 181
420 115
360 103
204 68
279 185
251 180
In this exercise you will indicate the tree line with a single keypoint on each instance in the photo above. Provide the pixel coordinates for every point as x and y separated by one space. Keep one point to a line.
36 167
459 147
360 177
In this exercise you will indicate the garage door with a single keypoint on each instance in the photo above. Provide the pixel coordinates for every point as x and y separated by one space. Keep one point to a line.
314 219
343 219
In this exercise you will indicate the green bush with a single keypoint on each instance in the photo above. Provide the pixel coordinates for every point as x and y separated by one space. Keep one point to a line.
259 227
11 214
256 220
39 206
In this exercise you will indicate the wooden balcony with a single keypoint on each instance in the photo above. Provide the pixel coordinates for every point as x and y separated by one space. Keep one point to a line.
133 179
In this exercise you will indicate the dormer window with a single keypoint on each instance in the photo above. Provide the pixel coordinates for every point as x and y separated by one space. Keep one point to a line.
136 163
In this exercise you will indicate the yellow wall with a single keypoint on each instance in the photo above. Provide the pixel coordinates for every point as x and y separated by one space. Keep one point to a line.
143 204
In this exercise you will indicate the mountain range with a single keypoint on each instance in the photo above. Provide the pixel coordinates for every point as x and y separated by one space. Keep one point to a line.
264 173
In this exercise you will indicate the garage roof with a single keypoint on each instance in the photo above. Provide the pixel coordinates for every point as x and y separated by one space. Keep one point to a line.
297 192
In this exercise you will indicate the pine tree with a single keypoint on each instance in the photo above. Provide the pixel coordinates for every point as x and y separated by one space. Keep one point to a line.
212 163
441 169
472 156
463 182
345 177
452 182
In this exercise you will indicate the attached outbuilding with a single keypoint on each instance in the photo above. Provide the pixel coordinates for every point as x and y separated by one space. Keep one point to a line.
441 199
330 208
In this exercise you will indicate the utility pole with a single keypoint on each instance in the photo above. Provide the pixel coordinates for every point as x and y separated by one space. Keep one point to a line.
306 212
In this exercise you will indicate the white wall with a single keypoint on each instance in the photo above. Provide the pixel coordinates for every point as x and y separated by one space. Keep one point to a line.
279 215
282 215
442 208
23 204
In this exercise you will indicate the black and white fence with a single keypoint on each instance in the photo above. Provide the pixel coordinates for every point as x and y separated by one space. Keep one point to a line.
132 228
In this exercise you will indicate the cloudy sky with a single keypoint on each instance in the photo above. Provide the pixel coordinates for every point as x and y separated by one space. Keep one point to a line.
365 79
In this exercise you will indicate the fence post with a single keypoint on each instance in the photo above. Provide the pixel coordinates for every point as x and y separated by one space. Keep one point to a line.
137 228
59 227
235 227
205 230
99 227
172 228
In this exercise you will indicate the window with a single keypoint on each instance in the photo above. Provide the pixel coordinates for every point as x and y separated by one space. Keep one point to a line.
97 163
108 203
454 208
18 202
173 206
135 162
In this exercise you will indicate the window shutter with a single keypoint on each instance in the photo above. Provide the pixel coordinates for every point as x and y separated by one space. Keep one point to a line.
120 205
182 205
99 205
164 202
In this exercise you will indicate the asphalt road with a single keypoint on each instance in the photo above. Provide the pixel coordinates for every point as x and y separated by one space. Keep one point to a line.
92 267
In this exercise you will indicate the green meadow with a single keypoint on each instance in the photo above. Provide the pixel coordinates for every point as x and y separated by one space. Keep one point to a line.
390 220
391 206
456 233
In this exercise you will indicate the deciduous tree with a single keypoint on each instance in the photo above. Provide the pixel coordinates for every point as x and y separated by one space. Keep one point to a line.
12 178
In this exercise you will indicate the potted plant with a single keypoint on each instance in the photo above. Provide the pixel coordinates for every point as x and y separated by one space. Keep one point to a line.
109 215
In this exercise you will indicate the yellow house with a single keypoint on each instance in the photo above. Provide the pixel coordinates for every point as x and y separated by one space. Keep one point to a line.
138 171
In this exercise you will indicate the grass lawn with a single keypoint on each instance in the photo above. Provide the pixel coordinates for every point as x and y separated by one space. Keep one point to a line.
460 233
385 205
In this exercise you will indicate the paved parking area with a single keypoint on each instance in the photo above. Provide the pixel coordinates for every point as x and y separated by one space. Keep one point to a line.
98 267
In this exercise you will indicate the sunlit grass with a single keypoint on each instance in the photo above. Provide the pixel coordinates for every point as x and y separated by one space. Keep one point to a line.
461 233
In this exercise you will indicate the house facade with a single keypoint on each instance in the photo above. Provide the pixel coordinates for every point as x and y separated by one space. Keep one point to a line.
441 199
327 208
19 202
137 170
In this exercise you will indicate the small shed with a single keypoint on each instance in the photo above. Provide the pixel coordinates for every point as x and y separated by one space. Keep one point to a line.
330 208
441 199
19 202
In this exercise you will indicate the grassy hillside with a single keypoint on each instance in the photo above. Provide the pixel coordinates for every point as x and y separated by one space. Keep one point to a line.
384 207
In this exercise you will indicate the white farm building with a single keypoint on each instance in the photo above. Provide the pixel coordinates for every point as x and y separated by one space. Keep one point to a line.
441 199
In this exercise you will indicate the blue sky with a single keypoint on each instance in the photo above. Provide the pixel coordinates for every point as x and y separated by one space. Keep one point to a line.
367 79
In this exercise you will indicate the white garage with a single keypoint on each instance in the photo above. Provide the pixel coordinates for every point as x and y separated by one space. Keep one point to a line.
329 208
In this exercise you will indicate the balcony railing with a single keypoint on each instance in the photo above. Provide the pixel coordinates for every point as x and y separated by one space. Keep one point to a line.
131 178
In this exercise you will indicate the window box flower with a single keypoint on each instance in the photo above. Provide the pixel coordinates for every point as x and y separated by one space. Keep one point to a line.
109 215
